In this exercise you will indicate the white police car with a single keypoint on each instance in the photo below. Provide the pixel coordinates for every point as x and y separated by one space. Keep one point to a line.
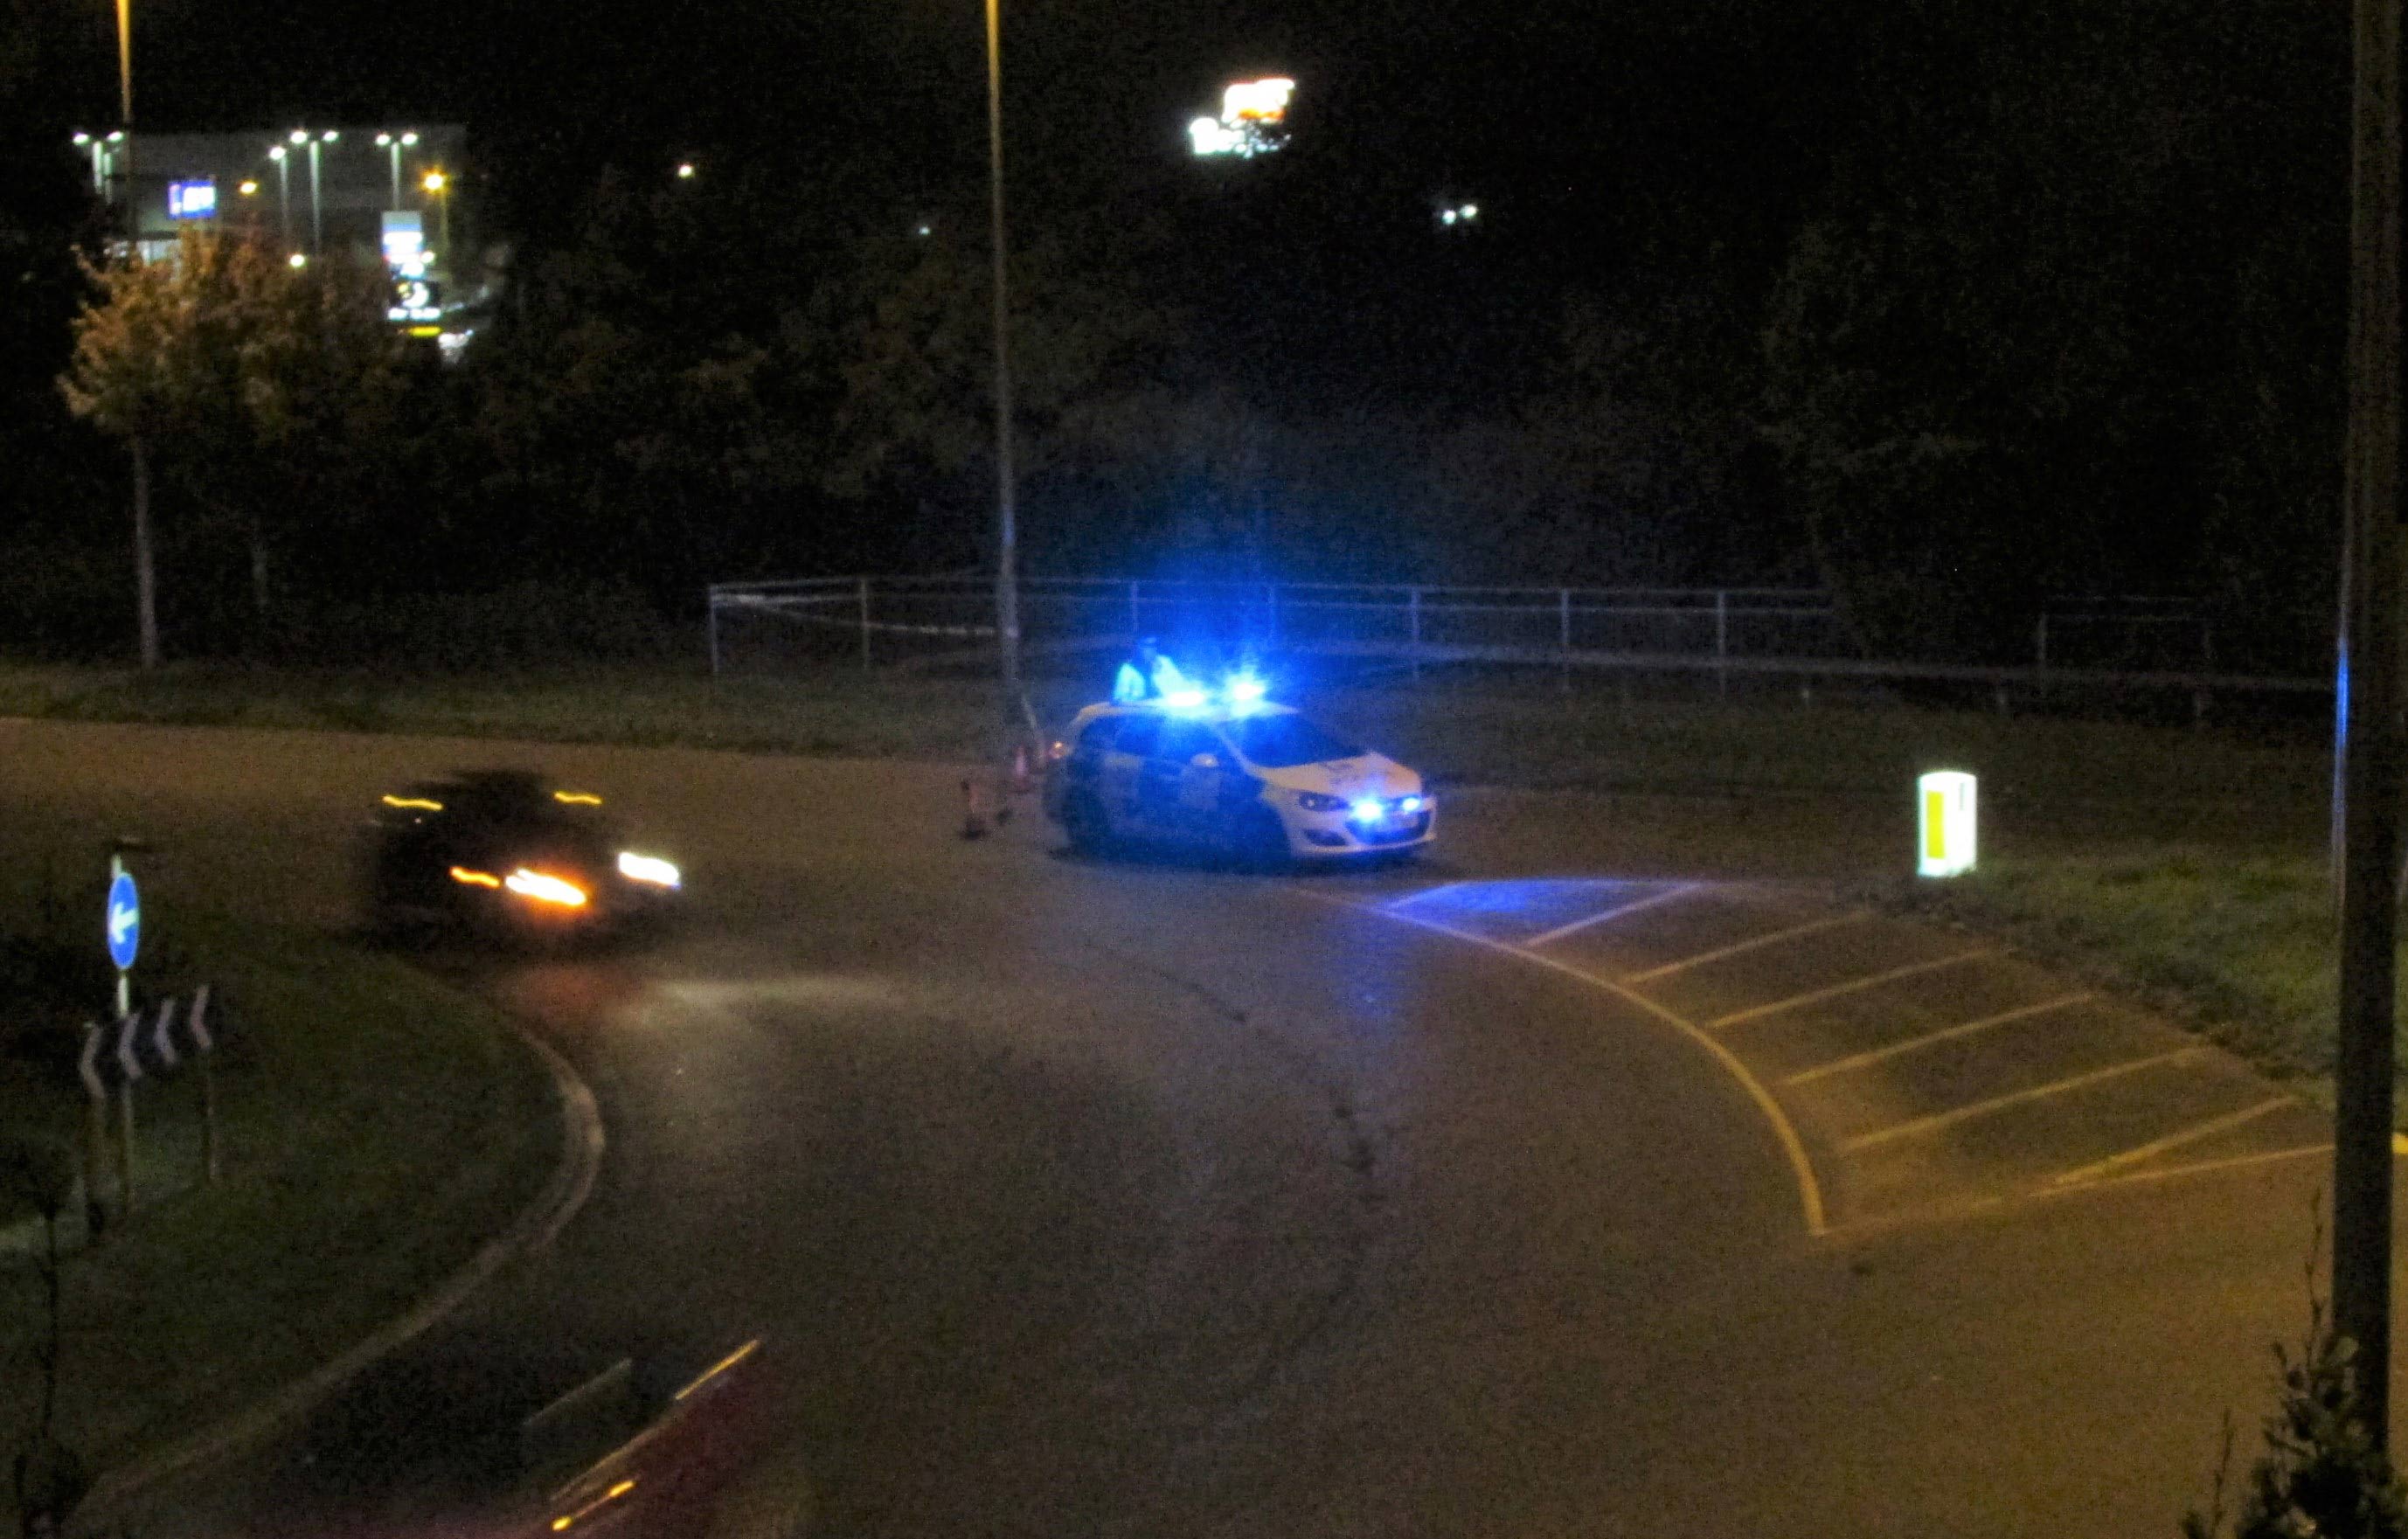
1238 775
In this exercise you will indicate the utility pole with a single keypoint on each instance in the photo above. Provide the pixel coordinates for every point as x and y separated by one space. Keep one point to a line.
2367 730
1006 546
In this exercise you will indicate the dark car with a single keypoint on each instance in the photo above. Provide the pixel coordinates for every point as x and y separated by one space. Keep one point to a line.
507 854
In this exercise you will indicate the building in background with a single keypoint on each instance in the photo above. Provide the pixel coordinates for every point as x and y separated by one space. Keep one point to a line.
372 194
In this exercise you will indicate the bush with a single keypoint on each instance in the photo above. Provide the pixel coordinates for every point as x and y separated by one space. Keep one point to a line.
2321 1473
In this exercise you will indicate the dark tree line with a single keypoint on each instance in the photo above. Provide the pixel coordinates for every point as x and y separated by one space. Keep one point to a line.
1946 307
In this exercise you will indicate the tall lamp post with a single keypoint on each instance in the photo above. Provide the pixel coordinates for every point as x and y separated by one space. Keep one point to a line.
317 206
439 187
2368 755
125 104
393 145
1007 551
283 192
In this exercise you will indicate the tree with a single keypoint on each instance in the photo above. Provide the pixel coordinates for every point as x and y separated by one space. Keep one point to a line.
905 338
225 362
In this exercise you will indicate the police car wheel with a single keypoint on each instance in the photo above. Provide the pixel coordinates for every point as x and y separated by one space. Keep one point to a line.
1262 841
1082 822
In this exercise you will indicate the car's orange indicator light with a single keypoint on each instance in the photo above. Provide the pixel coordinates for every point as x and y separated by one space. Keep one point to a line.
466 878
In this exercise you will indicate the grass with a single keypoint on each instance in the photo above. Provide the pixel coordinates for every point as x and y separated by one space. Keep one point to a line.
1595 738
2241 948
378 1128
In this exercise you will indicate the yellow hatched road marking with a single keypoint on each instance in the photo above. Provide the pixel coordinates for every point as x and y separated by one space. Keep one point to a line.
2192 1135
1795 932
1938 1120
1930 1039
1809 1191
1837 990
1577 925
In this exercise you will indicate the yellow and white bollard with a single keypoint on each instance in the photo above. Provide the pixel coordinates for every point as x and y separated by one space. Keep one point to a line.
1943 804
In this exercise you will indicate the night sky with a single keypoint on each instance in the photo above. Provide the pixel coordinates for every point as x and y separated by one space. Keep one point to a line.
1559 116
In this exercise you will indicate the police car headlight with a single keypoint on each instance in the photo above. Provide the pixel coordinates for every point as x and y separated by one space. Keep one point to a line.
1312 801
1368 809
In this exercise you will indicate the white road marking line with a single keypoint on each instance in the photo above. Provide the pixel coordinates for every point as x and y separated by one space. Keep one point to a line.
1795 932
1809 1191
1854 986
2192 1135
1930 1039
1560 931
1938 1120
1417 896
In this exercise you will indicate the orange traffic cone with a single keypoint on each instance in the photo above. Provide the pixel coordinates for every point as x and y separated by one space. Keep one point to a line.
973 810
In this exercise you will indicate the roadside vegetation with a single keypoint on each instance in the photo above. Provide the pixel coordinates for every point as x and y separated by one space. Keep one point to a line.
376 1127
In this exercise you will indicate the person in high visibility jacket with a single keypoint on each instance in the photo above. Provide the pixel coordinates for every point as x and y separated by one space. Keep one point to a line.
1147 674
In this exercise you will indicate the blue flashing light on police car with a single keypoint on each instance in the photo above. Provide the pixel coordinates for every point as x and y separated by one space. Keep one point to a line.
1228 770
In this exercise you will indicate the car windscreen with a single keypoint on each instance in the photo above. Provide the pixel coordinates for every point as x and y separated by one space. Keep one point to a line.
1282 742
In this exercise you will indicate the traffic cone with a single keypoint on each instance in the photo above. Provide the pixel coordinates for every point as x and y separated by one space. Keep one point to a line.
973 810
1023 779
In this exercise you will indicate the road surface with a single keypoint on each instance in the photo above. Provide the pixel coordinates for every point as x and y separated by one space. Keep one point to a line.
1126 1199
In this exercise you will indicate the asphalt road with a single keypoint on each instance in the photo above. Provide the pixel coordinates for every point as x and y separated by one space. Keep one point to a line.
1128 1199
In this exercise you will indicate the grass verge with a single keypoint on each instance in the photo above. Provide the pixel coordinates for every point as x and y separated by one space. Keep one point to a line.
2240 947
376 1127
1597 737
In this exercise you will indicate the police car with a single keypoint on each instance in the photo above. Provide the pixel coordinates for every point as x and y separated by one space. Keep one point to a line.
1238 775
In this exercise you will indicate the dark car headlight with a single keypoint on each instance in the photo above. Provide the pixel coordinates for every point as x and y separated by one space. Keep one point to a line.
1314 801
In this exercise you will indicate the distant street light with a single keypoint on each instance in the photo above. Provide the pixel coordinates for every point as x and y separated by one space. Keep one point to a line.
317 204
393 144
283 191
98 149
439 187
685 170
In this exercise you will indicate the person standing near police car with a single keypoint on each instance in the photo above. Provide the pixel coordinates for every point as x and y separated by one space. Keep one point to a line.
1148 674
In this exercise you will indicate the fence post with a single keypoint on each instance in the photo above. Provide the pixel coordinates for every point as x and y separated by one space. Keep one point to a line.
711 628
1722 641
1413 609
2040 640
862 588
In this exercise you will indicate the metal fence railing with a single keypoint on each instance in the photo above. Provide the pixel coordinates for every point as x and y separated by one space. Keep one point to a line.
2116 644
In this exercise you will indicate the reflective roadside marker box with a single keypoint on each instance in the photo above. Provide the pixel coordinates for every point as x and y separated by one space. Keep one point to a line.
1944 803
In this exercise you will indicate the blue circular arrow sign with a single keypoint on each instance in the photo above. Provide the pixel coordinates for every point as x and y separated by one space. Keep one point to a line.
124 920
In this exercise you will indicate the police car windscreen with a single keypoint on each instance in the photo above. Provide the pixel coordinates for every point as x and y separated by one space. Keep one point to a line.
1277 742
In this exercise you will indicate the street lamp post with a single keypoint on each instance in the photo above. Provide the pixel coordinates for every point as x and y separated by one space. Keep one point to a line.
439 187
317 206
393 144
1007 553
283 192
125 102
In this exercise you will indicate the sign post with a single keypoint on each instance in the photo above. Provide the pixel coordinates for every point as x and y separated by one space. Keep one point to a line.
125 931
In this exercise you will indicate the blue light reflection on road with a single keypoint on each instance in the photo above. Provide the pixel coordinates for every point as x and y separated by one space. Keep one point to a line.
1515 911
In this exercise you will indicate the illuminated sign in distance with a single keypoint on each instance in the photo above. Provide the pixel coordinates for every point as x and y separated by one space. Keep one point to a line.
195 199
1252 120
